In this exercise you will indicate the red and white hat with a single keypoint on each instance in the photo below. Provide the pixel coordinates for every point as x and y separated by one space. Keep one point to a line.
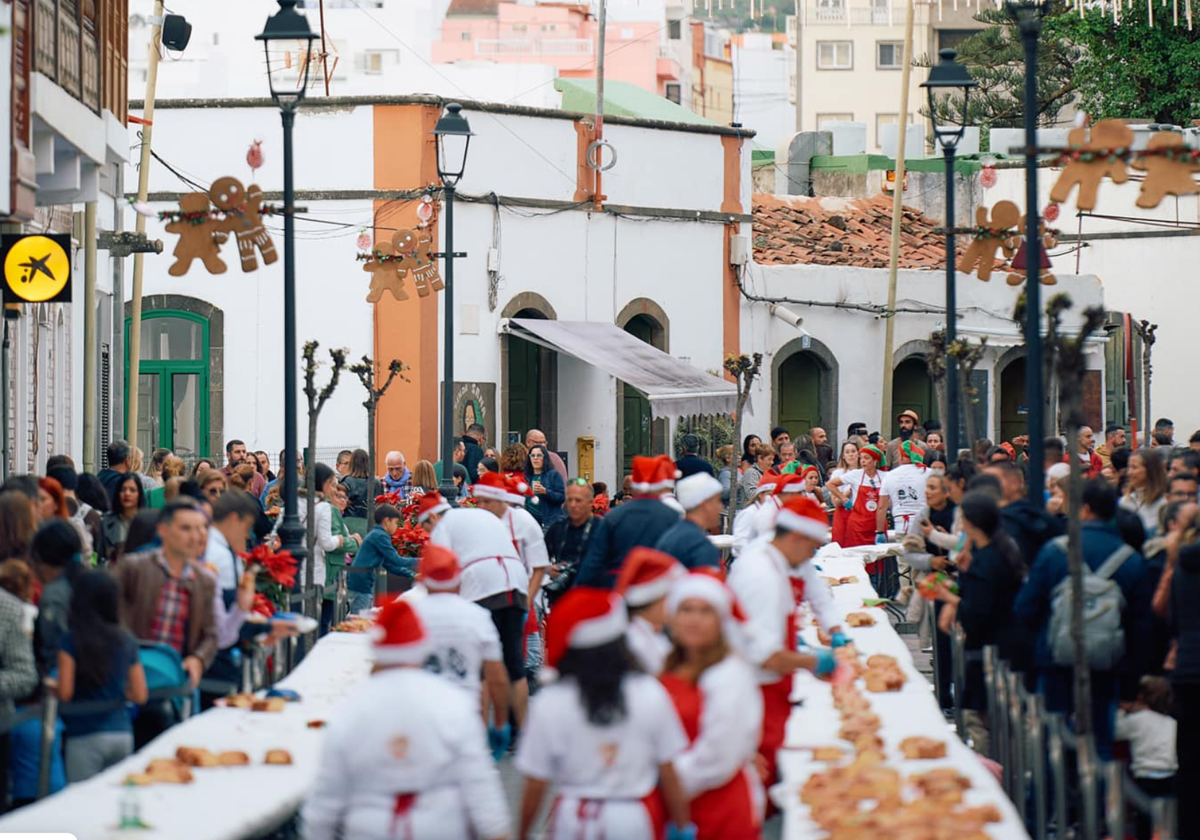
651 474
808 469
646 575
439 568
802 515
400 638
583 618
788 484
708 584
768 483
696 489
519 489
492 485
429 504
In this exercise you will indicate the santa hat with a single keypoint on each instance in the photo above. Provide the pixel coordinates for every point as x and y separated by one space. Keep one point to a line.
399 636
696 489
767 484
519 489
874 451
429 504
492 486
802 515
583 618
646 576
439 568
651 474
789 484
708 585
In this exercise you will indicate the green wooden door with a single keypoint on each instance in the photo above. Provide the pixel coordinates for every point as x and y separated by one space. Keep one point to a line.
173 377
799 394
637 431
1014 412
524 374
913 389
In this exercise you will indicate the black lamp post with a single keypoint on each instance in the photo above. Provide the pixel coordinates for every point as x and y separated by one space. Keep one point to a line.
286 29
947 78
453 135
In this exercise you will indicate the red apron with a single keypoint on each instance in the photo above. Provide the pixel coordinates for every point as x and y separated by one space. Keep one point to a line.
721 813
860 528
777 704
841 518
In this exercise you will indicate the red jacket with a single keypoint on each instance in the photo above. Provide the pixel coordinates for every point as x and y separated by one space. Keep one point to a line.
1094 462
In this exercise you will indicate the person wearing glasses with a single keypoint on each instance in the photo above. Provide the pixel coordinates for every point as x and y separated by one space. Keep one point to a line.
567 538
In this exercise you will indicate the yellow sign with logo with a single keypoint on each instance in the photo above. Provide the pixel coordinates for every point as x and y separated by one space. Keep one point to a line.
37 268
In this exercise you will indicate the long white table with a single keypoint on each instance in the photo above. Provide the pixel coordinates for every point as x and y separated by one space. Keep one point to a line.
911 711
222 803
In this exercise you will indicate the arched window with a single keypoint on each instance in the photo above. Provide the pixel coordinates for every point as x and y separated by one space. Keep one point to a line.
173 383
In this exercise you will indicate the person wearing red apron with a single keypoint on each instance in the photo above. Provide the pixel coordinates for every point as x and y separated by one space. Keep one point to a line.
847 462
761 581
719 706
864 485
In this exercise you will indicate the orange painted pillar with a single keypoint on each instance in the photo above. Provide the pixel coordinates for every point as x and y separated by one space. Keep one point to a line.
731 297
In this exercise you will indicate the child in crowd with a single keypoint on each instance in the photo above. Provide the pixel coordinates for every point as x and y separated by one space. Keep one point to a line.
1147 725
376 550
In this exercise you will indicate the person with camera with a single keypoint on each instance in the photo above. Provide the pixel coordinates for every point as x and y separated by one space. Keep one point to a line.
567 538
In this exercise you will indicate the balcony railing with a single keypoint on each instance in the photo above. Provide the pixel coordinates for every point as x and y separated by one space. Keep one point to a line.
533 46
840 15
67 48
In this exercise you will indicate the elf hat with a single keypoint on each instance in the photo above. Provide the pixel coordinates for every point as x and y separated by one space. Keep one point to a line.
646 575
583 618
399 636
439 570
519 489
696 489
874 451
708 585
789 484
651 474
429 504
914 451
492 485
802 515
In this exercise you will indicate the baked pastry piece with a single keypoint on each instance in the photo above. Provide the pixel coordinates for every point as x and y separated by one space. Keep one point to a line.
233 758
169 771
278 757
239 701
196 757
860 619
848 579
828 754
879 660
269 704
921 747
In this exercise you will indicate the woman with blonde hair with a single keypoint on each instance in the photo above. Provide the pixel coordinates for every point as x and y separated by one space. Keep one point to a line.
137 460
172 467
1147 483
424 477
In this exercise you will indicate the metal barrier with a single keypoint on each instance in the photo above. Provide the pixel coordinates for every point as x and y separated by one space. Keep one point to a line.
1120 792
958 676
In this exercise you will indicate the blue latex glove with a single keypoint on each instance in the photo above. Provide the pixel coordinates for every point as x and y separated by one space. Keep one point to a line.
499 740
848 504
825 663
681 832
881 539
839 638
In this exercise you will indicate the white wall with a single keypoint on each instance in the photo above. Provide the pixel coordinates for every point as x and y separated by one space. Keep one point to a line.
760 89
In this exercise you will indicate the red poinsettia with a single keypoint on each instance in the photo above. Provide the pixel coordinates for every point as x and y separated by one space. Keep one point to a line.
409 511
468 502
280 566
263 605
600 505
408 539
393 498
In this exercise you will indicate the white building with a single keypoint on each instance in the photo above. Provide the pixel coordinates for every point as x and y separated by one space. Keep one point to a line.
763 64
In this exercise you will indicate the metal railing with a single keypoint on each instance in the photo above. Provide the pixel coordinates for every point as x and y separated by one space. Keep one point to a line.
835 15
533 46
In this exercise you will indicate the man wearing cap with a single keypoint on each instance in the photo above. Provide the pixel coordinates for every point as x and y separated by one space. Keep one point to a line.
908 420
903 490
762 579
421 774
463 641
643 582
687 540
640 521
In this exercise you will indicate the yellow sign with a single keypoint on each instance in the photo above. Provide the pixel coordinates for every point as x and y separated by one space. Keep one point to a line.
37 268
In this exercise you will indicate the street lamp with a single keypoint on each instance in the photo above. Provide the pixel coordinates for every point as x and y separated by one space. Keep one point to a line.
453 134
947 78
288 27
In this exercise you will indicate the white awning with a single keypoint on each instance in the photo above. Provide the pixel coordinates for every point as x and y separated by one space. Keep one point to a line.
674 388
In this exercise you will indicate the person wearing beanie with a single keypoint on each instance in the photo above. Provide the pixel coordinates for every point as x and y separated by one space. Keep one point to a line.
745 522
643 583
376 552
714 692
463 642
604 734
687 540
424 774
641 521
903 490
859 491
763 581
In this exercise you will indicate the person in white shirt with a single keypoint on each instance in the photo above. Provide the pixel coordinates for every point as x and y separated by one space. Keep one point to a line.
643 582
423 774
464 642
762 580
603 733
746 519
714 691
326 480
1147 725
903 489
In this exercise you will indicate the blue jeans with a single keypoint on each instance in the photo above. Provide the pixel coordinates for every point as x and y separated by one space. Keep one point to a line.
1058 687
362 601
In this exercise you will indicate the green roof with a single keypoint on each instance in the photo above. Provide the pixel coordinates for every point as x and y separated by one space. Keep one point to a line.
624 100
861 164
762 157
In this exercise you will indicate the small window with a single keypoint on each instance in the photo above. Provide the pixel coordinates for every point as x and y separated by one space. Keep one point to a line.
674 30
823 120
835 55
465 35
882 120
626 34
518 27
889 55
673 92
216 39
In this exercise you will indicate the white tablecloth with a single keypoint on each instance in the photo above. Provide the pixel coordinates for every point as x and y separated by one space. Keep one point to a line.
911 711
223 803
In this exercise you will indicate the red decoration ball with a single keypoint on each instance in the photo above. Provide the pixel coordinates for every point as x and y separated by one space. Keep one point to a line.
1050 214
988 177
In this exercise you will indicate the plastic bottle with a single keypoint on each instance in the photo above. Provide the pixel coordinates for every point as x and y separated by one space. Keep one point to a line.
130 807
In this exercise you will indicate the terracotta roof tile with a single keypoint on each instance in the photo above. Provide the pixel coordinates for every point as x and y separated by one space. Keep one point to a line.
473 8
788 231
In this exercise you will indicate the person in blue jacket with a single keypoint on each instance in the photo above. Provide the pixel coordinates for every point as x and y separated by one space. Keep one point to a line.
377 550
1032 609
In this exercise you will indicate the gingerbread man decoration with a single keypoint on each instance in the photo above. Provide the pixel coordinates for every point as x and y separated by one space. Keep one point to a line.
241 206
199 236
1018 270
414 246
1166 175
1107 137
387 274
980 255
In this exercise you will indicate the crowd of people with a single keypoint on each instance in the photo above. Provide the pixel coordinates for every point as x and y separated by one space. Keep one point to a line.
632 668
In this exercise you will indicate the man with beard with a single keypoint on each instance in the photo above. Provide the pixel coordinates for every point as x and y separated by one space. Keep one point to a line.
908 420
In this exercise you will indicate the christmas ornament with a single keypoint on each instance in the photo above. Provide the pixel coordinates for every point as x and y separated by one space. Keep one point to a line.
1092 156
1168 165
364 240
205 220
988 177
1020 262
1050 214
426 211
254 157
409 251
998 233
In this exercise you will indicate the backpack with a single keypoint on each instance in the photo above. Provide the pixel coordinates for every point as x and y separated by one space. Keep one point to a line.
1103 637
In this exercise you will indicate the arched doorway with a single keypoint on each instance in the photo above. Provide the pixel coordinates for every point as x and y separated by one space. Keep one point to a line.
530 383
1014 412
912 388
804 387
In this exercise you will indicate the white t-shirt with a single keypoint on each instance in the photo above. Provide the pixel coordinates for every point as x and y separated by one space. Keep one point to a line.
648 646
760 580
463 637
529 539
586 761
489 560
854 479
905 486
1151 739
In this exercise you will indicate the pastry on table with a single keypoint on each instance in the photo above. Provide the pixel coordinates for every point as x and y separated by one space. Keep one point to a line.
828 754
919 746
233 758
169 771
269 704
239 701
848 579
278 757
196 757
860 619
881 660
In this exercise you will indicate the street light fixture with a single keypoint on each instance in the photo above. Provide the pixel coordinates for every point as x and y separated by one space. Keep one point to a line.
453 135
288 26
946 79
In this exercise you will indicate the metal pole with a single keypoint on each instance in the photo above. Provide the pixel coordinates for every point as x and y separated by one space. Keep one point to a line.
951 424
134 349
291 532
90 348
601 42
1029 17
447 486
799 65
889 336
4 345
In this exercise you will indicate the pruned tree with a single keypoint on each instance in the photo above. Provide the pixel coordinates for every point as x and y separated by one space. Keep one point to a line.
935 361
316 402
968 356
368 375
744 370
1146 331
